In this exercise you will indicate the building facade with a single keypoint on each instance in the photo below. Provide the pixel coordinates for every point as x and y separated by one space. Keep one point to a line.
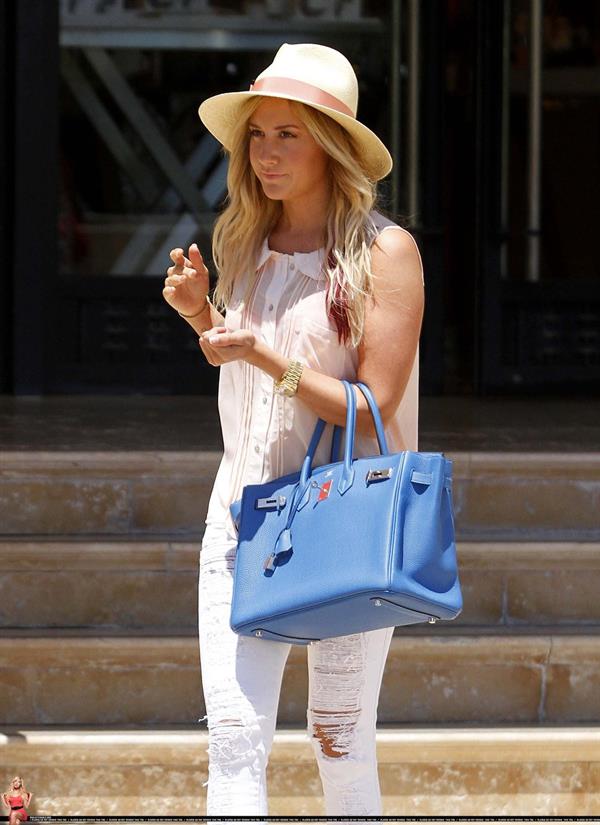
491 109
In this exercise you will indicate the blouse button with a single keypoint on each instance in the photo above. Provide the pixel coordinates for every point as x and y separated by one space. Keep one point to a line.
256 448
270 307
292 266
265 399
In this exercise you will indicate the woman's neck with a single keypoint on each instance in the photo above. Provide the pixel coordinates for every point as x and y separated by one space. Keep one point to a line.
302 225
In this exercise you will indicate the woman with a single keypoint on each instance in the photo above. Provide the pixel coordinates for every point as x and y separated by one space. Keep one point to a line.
16 798
315 290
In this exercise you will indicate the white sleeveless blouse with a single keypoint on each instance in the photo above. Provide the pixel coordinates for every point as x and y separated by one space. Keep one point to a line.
265 434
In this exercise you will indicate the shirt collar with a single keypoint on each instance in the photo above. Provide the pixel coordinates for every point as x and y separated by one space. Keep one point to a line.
309 263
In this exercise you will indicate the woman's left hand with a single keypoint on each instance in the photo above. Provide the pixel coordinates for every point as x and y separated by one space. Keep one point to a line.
220 346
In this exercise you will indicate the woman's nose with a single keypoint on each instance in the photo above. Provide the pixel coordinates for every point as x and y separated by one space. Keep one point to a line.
268 152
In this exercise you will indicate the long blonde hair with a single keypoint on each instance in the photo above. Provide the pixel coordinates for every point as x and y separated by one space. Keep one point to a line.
22 790
249 217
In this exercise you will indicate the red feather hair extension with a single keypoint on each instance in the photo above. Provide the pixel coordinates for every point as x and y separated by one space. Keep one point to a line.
337 306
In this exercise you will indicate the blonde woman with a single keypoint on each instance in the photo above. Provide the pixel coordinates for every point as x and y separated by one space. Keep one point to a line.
17 800
317 286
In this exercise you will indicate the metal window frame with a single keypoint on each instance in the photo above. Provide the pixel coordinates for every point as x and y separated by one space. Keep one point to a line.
33 239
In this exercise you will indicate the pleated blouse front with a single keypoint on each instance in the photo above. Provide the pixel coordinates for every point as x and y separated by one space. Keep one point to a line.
265 434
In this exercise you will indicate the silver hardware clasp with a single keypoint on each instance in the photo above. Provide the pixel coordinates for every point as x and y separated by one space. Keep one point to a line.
273 503
269 562
379 475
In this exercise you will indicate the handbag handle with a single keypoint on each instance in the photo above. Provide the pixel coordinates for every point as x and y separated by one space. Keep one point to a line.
381 439
347 476
299 499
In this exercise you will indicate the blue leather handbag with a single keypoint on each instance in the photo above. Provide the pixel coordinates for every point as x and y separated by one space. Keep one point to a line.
349 546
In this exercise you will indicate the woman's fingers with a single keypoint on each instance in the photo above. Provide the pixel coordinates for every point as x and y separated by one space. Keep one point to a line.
196 258
190 278
213 358
211 333
182 265
173 280
206 341
179 258
188 271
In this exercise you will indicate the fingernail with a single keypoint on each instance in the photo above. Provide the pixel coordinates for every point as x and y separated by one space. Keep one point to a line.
213 339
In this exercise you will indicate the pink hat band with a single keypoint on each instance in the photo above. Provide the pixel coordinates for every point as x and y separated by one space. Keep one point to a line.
298 88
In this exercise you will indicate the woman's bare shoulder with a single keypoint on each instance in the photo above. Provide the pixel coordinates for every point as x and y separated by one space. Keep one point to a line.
395 257
384 239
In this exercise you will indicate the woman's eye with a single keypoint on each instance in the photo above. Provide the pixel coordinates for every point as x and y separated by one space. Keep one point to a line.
287 134
255 132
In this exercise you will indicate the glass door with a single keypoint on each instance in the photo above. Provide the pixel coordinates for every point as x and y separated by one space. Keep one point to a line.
139 175
540 319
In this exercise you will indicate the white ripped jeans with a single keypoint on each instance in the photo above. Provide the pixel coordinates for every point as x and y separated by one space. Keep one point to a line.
241 679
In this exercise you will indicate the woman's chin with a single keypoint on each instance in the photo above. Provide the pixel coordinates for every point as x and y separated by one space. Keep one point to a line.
274 189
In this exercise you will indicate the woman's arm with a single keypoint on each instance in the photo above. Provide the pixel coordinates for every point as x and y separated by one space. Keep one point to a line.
385 355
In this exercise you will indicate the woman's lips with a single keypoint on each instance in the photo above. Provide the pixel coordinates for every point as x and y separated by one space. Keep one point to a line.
272 175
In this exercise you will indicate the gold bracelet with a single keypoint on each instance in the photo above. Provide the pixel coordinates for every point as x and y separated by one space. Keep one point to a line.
206 302
288 383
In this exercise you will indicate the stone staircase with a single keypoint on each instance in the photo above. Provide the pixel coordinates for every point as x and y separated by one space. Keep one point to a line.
495 713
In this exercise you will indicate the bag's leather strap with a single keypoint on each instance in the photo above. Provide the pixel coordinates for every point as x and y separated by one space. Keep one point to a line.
379 429
347 476
302 487
426 478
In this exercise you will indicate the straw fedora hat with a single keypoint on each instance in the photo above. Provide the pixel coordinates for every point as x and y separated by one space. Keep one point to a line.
316 75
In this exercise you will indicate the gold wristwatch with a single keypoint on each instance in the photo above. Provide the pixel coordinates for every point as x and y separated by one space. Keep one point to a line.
288 383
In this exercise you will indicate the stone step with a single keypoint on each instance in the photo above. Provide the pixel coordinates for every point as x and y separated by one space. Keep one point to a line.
153 584
432 675
510 496
423 770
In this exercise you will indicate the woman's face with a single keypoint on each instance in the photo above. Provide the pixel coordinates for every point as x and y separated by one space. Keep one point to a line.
285 157
17 782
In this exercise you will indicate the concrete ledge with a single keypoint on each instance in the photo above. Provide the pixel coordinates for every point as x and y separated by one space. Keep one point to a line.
497 496
50 553
412 744
519 678
124 583
425 771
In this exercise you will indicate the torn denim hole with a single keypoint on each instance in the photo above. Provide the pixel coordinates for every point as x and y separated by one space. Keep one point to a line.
236 748
213 563
336 736
338 682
